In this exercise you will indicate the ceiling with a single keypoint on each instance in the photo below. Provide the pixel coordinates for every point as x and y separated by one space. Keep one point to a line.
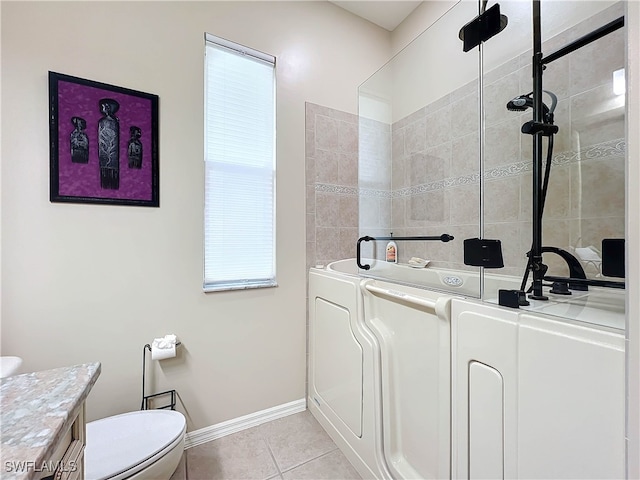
388 15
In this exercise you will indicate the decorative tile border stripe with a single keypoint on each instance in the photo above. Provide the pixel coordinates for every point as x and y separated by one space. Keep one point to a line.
336 189
611 149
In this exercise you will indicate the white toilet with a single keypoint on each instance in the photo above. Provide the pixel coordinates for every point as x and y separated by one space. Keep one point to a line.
142 445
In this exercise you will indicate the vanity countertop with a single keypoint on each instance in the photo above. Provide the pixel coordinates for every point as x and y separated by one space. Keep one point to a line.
37 409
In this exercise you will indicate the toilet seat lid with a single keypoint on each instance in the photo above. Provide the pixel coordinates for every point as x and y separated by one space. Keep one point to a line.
122 442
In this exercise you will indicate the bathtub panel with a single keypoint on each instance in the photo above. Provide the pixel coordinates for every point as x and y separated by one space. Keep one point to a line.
339 297
571 401
338 370
414 374
486 422
487 336
562 399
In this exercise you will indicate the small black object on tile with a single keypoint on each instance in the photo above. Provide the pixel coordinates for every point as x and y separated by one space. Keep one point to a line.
613 257
509 298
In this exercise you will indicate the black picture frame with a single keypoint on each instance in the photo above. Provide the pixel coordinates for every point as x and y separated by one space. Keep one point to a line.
103 143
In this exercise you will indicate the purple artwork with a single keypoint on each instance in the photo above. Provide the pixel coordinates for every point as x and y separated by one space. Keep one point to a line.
104 143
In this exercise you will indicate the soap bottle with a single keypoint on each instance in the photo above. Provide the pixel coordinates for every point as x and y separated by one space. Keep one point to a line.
392 251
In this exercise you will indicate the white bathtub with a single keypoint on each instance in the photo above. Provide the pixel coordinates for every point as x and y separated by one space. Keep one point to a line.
599 306
379 372
392 370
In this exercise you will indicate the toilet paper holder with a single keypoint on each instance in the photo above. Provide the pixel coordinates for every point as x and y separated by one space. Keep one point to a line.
146 398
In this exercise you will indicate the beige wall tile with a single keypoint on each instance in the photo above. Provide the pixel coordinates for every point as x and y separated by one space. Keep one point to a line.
438 127
464 116
593 64
347 211
326 133
347 137
326 166
348 169
438 162
502 142
416 169
496 96
397 144
590 231
347 240
465 204
310 143
465 155
597 188
502 200
327 209
398 212
398 173
368 212
311 199
596 116
415 136
460 233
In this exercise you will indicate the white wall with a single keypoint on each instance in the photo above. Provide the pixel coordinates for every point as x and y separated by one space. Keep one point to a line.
85 283
420 19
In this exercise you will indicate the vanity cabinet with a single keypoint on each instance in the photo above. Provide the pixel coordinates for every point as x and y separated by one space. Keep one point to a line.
43 423
535 396
67 460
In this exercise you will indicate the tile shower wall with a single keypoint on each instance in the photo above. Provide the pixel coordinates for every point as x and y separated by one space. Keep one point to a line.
332 184
419 176
435 182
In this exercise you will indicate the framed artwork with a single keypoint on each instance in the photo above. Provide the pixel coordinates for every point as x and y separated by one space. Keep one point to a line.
103 143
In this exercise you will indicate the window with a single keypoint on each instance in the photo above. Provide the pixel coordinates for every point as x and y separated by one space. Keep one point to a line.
239 223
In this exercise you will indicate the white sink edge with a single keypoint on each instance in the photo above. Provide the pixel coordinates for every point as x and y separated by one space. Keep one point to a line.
9 366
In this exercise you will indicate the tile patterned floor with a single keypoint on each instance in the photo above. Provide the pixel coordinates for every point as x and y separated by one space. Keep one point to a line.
291 448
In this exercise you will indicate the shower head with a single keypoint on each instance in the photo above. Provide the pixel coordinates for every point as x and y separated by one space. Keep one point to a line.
521 103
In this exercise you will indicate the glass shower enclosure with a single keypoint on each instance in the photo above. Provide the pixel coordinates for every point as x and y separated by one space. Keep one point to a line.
442 152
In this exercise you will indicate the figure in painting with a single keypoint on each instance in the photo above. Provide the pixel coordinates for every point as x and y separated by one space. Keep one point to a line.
109 144
79 141
135 148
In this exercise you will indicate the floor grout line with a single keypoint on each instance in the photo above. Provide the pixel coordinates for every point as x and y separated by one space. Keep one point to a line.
273 457
311 460
264 436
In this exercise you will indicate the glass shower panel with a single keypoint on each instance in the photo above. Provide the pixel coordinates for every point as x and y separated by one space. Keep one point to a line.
506 163
586 202
419 151
585 197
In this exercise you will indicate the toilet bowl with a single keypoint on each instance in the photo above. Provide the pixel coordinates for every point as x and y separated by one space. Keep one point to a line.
142 445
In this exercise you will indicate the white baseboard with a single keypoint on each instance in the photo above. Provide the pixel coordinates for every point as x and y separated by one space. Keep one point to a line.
206 434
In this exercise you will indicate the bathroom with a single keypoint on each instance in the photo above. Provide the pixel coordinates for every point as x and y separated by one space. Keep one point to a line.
84 283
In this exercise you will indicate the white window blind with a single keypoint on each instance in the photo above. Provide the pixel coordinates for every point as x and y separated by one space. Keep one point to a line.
239 223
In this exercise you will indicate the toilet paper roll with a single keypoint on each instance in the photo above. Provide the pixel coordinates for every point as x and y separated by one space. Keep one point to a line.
162 353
